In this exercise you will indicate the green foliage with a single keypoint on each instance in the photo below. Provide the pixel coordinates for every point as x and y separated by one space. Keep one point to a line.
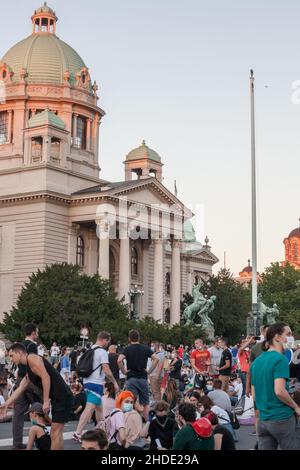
281 285
61 300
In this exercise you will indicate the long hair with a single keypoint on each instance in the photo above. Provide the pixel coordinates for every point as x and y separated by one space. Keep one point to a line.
171 390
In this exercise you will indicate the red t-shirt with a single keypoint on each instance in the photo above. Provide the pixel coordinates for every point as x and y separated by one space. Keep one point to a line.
180 352
201 358
244 357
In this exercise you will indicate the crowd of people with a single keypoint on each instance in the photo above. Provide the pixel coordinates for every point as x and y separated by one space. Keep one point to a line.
152 396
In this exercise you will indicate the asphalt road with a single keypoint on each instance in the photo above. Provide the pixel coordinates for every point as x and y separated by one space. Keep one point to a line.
246 441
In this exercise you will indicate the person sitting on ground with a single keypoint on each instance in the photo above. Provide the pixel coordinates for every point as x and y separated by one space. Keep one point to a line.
94 439
223 438
79 401
39 433
108 399
162 427
171 395
126 427
192 434
223 416
219 397
194 399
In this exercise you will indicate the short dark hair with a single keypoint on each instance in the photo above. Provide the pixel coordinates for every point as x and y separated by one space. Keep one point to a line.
273 330
30 328
225 340
104 335
195 395
96 435
188 412
206 402
19 347
134 335
217 383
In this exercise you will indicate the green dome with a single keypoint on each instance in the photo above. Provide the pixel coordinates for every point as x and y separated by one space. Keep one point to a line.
46 59
143 152
189 232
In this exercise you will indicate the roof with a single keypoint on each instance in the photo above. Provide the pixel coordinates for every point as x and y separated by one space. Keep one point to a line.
143 152
44 9
46 118
45 58
107 186
295 233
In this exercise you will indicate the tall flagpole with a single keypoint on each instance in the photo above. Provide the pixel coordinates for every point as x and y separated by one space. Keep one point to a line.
253 173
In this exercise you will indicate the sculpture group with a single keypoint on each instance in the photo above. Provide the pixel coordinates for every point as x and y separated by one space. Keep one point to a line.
200 309
266 314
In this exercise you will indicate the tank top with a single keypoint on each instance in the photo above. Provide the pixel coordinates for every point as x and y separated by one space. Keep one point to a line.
59 390
43 442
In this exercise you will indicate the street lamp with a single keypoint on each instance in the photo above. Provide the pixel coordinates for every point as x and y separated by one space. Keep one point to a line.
132 294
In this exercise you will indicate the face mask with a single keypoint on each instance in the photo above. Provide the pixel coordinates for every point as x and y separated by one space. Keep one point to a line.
161 419
33 422
209 388
127 407
290 341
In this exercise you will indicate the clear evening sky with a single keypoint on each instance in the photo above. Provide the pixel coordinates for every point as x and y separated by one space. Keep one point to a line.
176 73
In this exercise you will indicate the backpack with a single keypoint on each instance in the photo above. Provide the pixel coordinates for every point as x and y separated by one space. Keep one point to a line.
113 443
240 406
85 363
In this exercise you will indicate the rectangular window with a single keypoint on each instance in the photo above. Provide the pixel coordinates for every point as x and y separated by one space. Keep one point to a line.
3 127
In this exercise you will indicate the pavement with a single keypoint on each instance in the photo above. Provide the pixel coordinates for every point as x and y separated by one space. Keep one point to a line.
246 440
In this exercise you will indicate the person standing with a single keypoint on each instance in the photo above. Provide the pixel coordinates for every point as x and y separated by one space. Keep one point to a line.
31 394
137 356
200 362
113 362
157 375
244 359
270 375
94 384
54 354
65 365
73 359
215 358
51 385
175 368
2 357
225 364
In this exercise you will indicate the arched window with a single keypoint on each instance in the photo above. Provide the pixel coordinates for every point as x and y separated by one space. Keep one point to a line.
80 251
3 127
81 133
134 262
168 283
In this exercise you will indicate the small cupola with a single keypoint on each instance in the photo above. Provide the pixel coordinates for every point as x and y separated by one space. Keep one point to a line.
44 20
142 163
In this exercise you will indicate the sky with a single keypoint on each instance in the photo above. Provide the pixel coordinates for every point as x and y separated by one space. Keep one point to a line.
176 73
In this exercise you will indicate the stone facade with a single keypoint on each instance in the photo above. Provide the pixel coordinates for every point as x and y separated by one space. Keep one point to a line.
52 200
292 248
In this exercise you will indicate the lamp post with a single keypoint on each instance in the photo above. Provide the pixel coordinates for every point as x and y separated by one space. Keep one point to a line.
132 294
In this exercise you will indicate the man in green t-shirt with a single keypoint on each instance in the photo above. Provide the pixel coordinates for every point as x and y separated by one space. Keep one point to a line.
269 378
187 438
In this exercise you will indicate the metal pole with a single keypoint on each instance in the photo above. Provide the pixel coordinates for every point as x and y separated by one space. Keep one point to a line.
253 172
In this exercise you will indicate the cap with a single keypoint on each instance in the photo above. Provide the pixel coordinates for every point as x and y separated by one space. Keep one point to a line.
36 408
203 427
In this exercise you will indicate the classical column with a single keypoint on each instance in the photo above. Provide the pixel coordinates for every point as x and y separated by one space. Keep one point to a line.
75 116
158 284
103 235
46 148
72 242
175 283
88 135
9 130
145 298
190 281
92 265
124 266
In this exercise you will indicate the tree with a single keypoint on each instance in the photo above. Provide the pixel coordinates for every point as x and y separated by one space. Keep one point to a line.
61 300
281 285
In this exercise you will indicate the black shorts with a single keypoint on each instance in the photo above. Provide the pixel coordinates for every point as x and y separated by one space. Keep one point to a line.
61 410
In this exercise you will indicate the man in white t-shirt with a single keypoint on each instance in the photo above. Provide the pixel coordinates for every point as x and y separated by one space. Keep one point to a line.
94 384
54 353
